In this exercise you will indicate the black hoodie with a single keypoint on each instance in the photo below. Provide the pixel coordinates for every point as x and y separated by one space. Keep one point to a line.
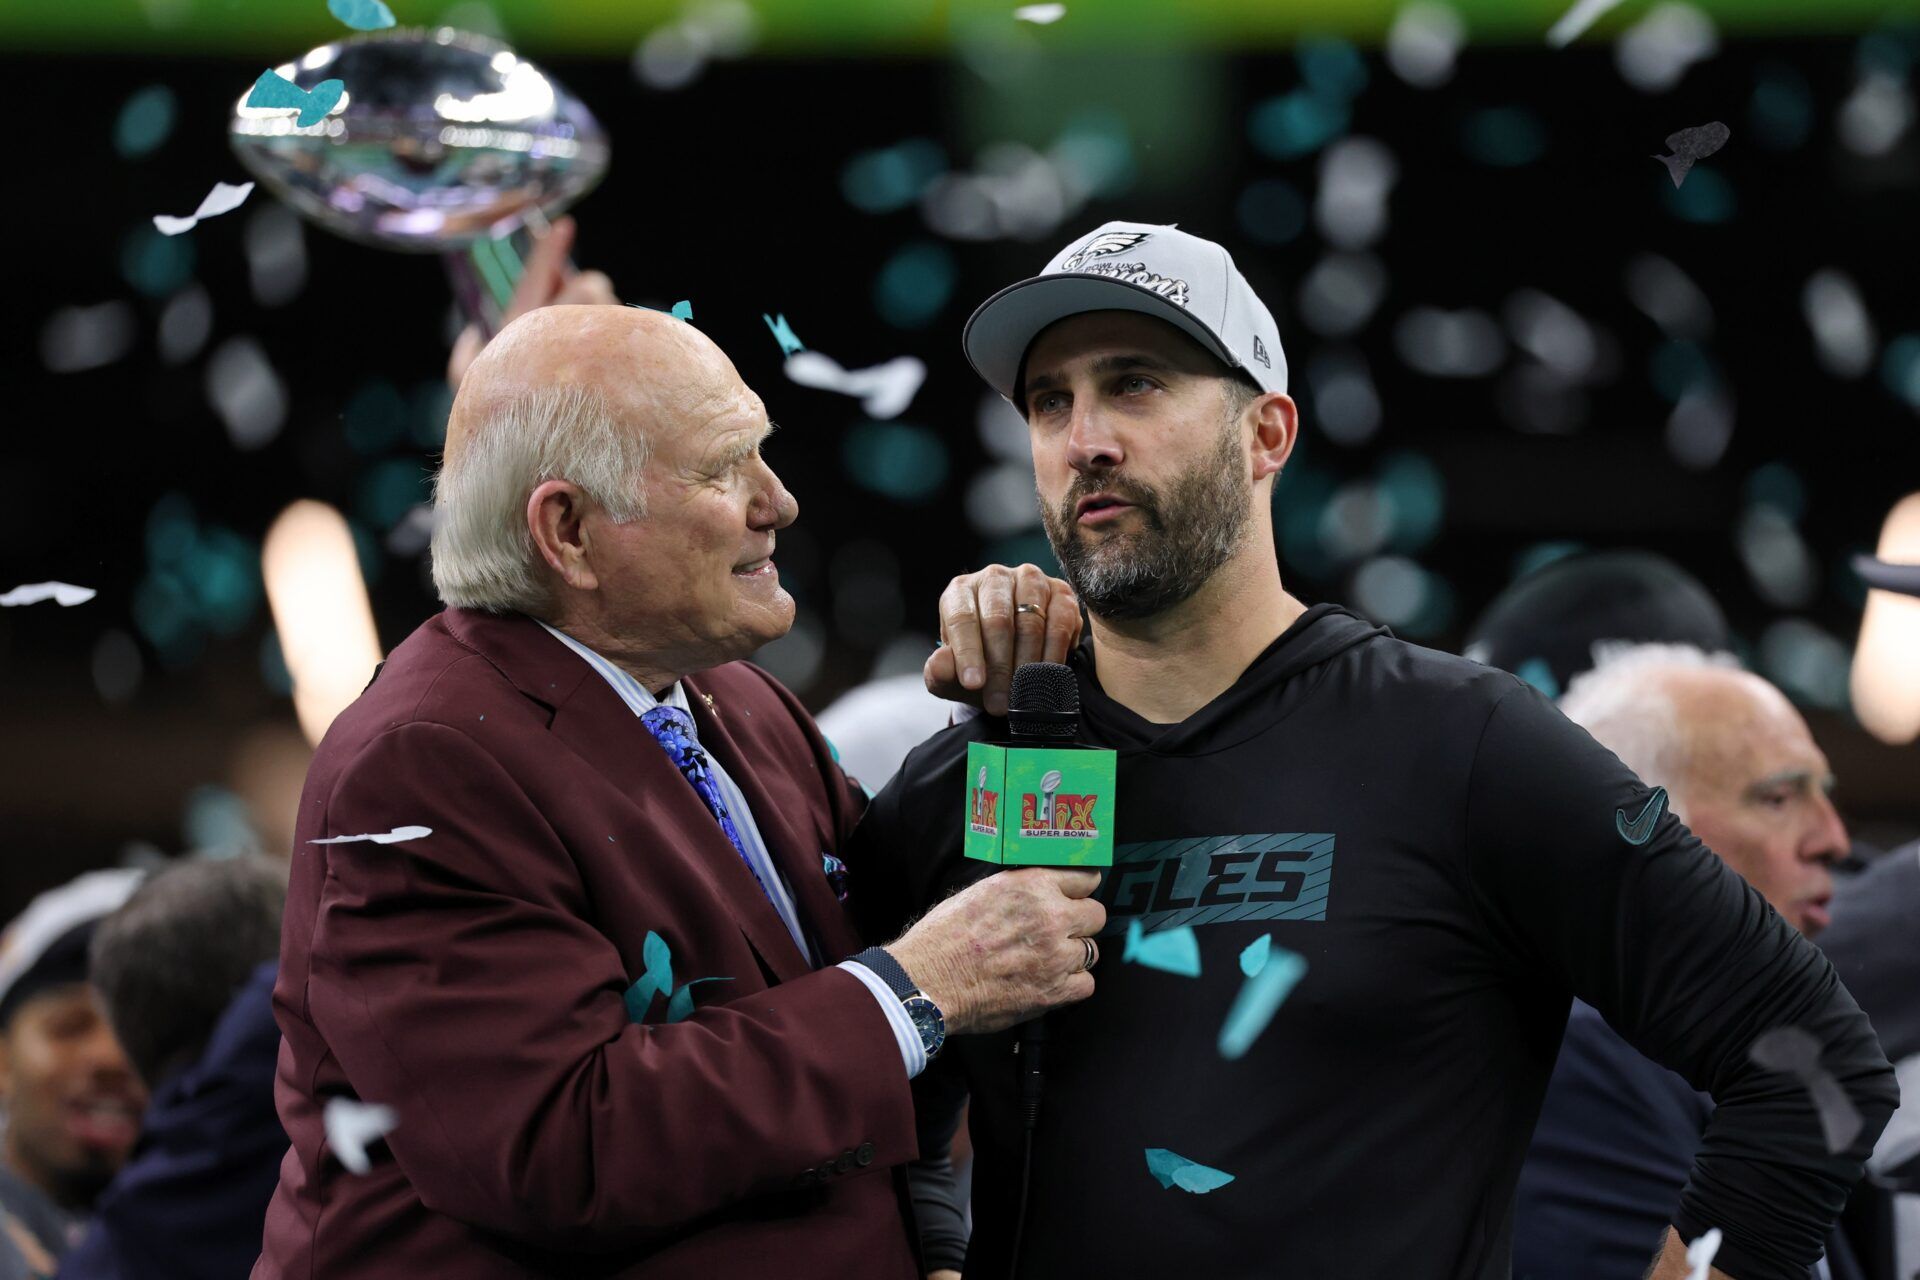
1455 861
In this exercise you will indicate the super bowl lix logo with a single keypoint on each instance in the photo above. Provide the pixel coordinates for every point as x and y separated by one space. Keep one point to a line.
1055 815
983 807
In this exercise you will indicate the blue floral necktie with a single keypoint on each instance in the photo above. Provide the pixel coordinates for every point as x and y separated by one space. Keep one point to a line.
672 728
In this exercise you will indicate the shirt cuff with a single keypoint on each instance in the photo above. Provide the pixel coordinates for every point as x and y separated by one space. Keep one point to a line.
912 1052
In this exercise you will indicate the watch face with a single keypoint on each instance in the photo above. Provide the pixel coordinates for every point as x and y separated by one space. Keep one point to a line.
928 1021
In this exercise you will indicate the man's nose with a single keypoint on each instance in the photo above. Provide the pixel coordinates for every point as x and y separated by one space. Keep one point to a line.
773 507
1827 840
105 1059
1091 442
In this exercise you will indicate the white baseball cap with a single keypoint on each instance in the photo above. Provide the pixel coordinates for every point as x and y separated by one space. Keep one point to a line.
1131 266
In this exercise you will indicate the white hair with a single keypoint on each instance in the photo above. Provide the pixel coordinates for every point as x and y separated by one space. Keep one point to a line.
483 553
1629 710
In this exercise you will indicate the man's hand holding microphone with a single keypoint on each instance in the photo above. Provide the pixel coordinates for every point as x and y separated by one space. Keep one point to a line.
1007 948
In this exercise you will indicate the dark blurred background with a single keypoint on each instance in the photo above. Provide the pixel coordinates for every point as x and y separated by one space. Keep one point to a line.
1510 333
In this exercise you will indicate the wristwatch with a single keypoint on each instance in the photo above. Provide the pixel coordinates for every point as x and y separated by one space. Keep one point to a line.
924 1013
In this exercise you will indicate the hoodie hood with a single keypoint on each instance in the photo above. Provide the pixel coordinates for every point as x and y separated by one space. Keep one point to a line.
1264 694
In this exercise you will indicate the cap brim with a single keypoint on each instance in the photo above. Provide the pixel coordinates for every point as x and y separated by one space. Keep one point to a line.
1004 326
1903 578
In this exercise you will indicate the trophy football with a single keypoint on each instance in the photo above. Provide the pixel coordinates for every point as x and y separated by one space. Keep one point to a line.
424 141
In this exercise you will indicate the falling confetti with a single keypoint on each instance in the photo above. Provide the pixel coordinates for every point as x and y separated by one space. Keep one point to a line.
681 310
1793 1051
61 593
80 338
1691 145
1261 996
1700 1254
361 15
1169 950
884 391
1577 19
658 981
222 199
1172 1170
394 836
352 1126
275 90
1040 14
1423 42
783 334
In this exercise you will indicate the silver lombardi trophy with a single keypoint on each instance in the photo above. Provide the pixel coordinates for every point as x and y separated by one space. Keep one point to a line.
441 142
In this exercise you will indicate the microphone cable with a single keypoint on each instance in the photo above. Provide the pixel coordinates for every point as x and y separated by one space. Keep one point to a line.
1031 1046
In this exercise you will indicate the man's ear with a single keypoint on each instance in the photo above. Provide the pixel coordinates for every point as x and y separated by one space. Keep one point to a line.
1276 425
556 519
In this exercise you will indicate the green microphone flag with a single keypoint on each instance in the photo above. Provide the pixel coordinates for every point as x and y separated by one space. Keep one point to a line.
1039 806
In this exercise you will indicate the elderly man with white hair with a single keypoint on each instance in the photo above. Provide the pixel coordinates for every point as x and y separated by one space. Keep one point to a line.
567 926
1618 1132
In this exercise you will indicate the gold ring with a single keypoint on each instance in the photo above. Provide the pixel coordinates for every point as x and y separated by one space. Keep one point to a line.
1027 608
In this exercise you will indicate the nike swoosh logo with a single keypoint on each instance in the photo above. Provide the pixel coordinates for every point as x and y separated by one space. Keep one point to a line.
1637 831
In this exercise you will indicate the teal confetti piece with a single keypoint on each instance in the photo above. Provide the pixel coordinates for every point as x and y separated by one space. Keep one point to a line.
1173 1170
681 310
275 90
361 15
783 334
145 121
657 980
1261 996
1169 950
680 1008
1255 957
1537 673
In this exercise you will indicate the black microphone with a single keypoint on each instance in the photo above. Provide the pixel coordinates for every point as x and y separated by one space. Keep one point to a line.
1043 709
1043 712
1045 702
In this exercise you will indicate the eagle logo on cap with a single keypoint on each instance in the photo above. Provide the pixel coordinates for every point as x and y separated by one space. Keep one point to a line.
1105 245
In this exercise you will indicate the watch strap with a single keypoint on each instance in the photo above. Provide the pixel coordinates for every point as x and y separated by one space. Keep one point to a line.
889 970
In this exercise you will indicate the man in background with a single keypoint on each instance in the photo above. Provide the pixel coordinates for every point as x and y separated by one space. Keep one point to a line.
1618 1131
185 970
1546 626
72 1100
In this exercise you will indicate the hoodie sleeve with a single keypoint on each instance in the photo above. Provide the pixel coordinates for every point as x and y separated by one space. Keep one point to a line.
1585 882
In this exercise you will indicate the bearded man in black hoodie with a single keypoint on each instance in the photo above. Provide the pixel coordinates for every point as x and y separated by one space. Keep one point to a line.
1453 860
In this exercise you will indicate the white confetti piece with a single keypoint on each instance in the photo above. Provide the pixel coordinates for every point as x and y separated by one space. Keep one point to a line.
222 199
380 837
1795 1052
884 391
1040 13
1700 1254
1577 19
61 593
352 1126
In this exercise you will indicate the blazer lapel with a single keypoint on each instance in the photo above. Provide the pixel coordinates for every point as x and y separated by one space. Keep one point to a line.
798 857
589 717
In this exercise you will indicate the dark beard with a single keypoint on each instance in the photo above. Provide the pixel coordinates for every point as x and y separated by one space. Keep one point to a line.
1190 531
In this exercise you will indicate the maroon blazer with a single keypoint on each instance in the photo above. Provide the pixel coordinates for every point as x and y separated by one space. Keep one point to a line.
473 980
